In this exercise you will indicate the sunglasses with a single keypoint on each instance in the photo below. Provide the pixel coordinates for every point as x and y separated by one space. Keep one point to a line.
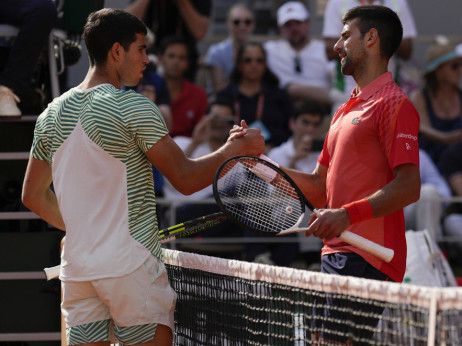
257 60
297 65
247 22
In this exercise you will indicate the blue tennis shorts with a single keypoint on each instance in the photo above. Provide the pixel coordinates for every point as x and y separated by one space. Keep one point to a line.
342 318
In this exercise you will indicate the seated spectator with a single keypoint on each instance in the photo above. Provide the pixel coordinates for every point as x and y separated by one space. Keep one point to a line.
35 20
332 27
211 132
299 61
188 101
301 152
257 99
427 212
221 56
451 166
439 103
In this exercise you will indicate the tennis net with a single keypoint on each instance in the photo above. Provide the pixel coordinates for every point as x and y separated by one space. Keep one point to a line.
230 302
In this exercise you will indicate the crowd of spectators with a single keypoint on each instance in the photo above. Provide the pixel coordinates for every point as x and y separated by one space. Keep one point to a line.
288 87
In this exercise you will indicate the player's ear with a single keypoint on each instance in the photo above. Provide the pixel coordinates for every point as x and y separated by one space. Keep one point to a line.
116 51
372 37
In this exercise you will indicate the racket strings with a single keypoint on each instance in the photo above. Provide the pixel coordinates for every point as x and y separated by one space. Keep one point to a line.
255 200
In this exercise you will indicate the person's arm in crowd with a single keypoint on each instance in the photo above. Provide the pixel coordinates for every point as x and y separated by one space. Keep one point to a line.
166 112
426 128
37 195
308 92
138 8
217 78
200 135
302 150
456 183
404 50
431 175
197 23
191 175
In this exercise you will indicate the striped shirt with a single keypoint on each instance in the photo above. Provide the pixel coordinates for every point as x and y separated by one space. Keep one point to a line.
95 140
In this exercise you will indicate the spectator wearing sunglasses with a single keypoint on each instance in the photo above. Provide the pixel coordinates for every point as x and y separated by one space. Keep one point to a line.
256 96
439 102
221 56
299 61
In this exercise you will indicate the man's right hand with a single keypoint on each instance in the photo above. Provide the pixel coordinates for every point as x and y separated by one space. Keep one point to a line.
246 141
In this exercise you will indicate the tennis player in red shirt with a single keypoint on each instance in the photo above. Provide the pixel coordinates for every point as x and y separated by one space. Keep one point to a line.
368 169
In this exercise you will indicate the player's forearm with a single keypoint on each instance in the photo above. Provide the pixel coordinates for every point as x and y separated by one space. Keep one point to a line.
398 193
193 175
311 185
46 207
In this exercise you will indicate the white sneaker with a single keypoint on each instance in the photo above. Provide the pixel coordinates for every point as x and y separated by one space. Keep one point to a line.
8 103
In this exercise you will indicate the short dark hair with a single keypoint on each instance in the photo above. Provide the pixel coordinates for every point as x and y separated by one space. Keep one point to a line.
170 41
221 102
381 18
307 107
106 27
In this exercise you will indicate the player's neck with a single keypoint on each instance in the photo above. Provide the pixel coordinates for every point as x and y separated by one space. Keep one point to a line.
368 74
99 75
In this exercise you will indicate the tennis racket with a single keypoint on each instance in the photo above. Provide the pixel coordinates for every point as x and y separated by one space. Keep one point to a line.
168 234
257 195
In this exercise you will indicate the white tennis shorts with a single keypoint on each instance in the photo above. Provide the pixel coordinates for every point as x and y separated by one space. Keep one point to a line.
143 298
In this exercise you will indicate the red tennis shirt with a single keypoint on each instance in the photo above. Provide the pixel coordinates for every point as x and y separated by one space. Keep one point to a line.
369 136
188 109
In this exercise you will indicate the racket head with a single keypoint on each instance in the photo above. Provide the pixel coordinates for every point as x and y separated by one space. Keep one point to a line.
257 195
191 227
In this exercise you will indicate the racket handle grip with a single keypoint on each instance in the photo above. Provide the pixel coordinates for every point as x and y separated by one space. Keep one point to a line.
362 243
367 245
52 272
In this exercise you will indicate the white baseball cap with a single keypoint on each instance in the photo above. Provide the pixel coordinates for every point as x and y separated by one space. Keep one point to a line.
292 10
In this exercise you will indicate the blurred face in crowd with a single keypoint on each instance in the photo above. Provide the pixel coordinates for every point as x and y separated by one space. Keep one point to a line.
305 126
296 32
252 63
221 123
449 72
240 23
175 60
